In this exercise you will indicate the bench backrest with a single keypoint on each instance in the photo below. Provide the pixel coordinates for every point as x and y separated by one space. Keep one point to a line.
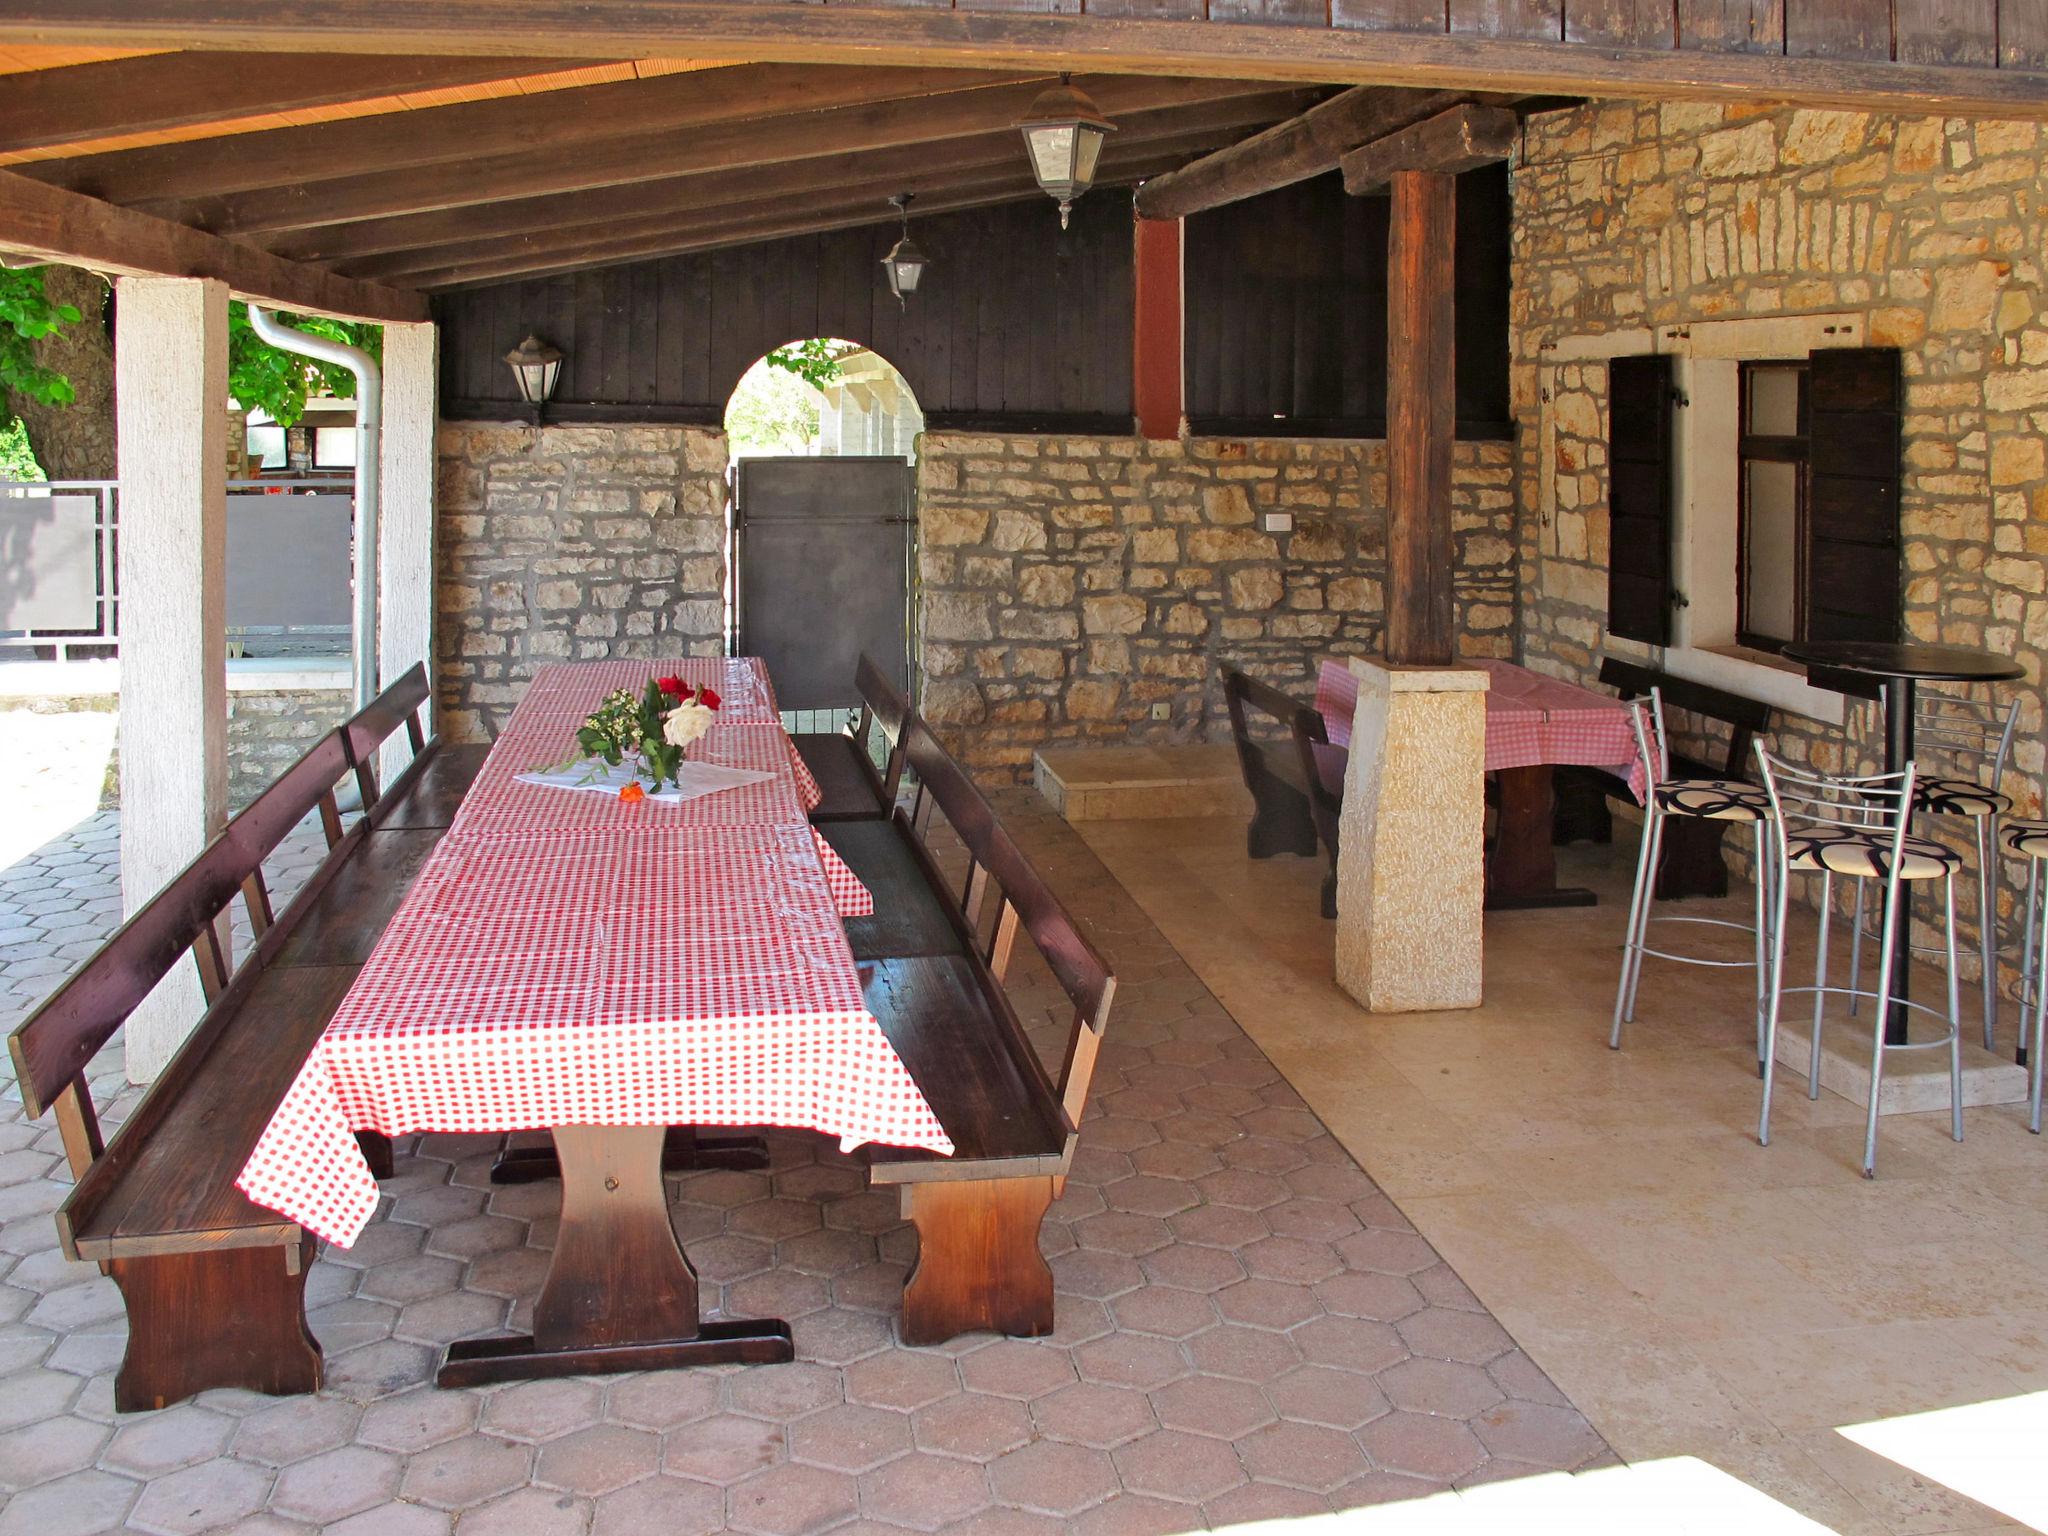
368 729
886 711
998 871
1307 734
52 1047
1744 716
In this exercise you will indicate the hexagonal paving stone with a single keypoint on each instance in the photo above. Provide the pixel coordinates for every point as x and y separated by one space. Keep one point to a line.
84 1502
415 1420
1262 1303
1244 1354
1321 1394
394 1519
1442 1387
335 1484
1537 1432
793 1500
1090 1413
722 1450
1310 1456
972 1425
905 1379
659 1505
1446 1334
1191 1268
466 1470
840 1336
47 1449
1163 1310
1388 1253
200 1498
598 1459
295 1429
1121 1232
1171 1464
1356 1343
1422 1445
541 1410
1257 1502
529 1512
1053 1478
1017 1368
1363 1293
1292 1260
850 1437
1209 1405
777 1393
923 1492
179 1436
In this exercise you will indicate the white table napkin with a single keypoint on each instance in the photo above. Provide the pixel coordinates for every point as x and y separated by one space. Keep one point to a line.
695 780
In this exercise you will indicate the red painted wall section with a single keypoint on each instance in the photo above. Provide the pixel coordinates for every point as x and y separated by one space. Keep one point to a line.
1155 370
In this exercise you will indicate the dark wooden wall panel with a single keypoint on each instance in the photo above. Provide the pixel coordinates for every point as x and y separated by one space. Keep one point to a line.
1390 15
1286 305
1541 19
1839 29
1621 23
1015 322
2023 34
1733 26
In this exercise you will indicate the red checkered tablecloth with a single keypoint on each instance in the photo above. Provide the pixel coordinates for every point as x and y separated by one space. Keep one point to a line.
621 968
1530 719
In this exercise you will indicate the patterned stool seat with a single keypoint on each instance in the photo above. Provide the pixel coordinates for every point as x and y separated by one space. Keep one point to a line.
1714 799
1866 855
2025 839
1957 797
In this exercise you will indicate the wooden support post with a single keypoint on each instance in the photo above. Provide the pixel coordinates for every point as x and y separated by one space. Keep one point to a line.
1421 416
1155 362
171 380
405 524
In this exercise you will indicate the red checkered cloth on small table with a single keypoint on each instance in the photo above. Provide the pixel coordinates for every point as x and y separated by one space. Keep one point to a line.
620 970
1530 719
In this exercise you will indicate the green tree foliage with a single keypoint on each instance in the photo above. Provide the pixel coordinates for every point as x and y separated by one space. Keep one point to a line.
261 376
26 316
774 410
17 460
816 361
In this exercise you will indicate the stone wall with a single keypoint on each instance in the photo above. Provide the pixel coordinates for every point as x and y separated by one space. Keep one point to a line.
1086 589
269 730
571 544
1928 230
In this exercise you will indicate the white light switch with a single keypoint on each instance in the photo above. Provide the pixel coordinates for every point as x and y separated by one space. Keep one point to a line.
1279 522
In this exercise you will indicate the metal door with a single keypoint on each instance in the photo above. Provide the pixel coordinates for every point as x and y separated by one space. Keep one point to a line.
823 547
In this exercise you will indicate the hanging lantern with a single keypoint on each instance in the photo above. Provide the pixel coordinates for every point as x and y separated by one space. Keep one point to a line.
1063 133
904 265
536 366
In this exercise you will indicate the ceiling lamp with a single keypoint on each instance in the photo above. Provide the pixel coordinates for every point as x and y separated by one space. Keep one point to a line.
536 366
1063 132
904 265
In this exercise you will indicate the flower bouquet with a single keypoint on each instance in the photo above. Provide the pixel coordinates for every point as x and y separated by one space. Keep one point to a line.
654 729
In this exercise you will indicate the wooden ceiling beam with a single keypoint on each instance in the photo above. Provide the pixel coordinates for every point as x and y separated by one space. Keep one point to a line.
1450 142
854 189
913 164
653 157
550 122
46 223
606 250
1368 50
1304 146
43 108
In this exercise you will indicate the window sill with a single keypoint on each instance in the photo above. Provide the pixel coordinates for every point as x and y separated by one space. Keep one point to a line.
1760 675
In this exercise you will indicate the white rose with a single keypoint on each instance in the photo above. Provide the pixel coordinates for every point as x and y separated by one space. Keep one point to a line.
686 722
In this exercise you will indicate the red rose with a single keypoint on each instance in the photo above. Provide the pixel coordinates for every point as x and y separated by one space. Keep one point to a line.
708 697
674 687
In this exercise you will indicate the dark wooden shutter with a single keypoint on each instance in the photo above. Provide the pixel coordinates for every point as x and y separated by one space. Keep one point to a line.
1639 499
1853 576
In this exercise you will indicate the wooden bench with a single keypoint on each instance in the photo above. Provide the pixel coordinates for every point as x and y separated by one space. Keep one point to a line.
214 1284
843 762
1296 784
1692 864
933 962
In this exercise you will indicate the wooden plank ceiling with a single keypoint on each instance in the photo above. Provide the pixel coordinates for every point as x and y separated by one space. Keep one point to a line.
428 172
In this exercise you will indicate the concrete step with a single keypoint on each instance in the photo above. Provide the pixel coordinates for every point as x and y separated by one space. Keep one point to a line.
1130 783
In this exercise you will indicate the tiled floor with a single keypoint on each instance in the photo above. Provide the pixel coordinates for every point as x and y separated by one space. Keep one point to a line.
1247 1326
1695 1293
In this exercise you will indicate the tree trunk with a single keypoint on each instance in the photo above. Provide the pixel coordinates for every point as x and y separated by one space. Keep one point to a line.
75 441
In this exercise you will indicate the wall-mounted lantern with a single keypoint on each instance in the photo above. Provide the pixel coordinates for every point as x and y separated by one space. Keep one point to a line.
537 366
904 265
1064 133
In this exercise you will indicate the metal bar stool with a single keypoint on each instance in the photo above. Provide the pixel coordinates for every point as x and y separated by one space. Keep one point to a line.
1977 736
2029 840
1728 800
1856 828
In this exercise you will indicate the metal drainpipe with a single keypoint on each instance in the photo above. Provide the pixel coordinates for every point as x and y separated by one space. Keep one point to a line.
369 433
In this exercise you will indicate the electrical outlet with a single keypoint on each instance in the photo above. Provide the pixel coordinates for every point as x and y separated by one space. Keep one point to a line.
1162 711
1279 522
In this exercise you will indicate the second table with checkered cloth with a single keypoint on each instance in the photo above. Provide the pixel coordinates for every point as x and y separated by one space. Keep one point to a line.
604 970
1533 723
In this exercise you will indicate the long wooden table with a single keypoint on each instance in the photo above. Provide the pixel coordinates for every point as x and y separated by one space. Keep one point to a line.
605 970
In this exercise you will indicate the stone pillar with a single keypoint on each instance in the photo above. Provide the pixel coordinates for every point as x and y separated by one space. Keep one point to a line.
405 554
1411 874
171 379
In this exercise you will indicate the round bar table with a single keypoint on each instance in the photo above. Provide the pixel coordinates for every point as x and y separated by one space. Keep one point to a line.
1900 667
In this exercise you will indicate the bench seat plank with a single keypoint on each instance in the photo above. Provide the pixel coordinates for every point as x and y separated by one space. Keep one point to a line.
845 782
941 1019
343 923
179 1184
910 918
433 797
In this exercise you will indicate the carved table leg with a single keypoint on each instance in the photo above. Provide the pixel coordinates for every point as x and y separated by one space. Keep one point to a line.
1521 870
682 1151
619 1294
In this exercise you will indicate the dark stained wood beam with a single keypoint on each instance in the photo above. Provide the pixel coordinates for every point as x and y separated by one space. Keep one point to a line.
567 250
1302 147
1453 141
654 156
550 122
49 224
1376 44
1422 416
914 166
42 108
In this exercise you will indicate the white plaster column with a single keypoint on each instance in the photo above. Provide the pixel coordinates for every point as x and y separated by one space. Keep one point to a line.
171 382
405 531
1411 867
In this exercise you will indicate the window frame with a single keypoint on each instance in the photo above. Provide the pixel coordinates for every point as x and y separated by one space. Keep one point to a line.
1775 448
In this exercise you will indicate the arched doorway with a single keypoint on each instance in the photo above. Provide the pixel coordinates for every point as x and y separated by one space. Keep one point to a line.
822 435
